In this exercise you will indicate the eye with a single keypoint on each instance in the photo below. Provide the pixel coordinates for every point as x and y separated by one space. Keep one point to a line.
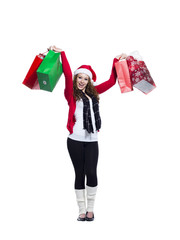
86 79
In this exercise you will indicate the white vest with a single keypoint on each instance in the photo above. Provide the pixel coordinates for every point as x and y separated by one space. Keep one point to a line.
79 133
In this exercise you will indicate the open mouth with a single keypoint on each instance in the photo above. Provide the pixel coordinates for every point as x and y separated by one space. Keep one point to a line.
81 85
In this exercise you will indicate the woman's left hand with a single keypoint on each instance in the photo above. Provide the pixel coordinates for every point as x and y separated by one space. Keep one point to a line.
121 56
54 48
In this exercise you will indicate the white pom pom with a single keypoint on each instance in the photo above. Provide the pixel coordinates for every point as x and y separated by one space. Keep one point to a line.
93 82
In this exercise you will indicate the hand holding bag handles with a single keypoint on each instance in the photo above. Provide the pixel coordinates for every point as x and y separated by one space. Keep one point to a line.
44 72
133 72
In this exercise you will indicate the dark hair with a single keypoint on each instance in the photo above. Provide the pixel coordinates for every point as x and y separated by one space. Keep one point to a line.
90 89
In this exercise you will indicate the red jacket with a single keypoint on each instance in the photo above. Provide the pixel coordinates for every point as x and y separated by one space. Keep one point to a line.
68 92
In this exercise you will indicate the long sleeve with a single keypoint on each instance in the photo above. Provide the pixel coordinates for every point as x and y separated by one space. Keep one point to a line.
68 92
101 88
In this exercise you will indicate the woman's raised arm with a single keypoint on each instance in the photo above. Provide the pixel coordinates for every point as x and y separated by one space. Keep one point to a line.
68 91
101 88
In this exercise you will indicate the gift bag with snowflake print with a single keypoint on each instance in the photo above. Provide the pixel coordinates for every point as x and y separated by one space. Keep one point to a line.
139 73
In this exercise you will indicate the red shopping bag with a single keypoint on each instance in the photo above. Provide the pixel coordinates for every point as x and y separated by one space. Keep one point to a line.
123 76
31 79
139 73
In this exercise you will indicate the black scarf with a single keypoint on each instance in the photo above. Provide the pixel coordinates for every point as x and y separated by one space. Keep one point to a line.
87 121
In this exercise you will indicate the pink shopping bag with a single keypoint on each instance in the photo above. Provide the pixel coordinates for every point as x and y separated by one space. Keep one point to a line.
124 80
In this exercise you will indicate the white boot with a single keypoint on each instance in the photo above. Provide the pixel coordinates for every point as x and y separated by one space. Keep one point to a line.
81 201
91 194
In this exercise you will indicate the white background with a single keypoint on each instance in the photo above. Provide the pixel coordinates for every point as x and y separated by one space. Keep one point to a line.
138 170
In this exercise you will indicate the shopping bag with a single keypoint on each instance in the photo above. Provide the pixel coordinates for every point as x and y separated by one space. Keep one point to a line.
123 76
49 71
139 73
31 79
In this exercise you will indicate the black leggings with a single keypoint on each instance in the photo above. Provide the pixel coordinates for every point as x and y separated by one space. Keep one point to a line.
84 156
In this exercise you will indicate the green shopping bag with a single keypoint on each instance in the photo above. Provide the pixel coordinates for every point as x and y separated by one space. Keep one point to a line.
49 71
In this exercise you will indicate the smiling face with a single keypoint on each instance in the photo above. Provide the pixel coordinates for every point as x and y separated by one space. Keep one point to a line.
82 81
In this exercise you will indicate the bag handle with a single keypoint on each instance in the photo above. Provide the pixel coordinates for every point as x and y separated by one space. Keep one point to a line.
42 54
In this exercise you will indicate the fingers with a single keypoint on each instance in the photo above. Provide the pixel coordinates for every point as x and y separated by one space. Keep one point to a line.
50 48
124 56
55 49
118 56
121 56
58 49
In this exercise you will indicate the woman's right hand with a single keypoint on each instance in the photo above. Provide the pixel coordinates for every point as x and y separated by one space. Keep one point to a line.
55 49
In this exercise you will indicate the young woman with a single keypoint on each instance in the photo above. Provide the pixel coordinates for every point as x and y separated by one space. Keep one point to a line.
84 122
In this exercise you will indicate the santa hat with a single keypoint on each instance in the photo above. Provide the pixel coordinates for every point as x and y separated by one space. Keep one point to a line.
87 69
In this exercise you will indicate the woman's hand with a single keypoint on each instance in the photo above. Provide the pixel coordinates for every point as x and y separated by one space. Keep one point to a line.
121 56
55 49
